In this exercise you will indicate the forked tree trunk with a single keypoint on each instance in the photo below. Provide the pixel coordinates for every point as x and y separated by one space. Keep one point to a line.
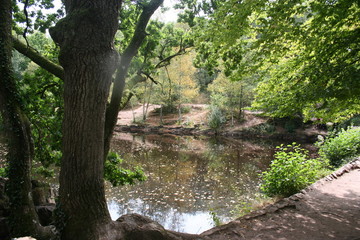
119 83
23 219
85 37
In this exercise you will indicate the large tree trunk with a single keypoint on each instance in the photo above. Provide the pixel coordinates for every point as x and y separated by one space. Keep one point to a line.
23 218
85 37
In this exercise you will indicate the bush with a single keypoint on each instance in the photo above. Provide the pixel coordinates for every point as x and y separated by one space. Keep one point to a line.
353 121
341 147
262 128
216 118
185 109
3 172
167 109
290 171
118 175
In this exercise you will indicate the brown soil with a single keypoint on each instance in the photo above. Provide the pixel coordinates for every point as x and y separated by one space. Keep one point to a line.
329 209
196 116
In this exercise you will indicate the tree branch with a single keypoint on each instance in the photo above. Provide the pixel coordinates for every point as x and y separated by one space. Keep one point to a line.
166 61
37 58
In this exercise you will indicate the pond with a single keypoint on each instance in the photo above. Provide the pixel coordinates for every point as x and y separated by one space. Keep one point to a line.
191 181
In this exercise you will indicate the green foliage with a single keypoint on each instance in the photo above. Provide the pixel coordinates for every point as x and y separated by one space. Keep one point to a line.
43 104
185 109
3 172
341 147
203 79
38 16
290 124
304 54
43 171
262 128
353 121
216 118
214 217
117 175
167 108
290 171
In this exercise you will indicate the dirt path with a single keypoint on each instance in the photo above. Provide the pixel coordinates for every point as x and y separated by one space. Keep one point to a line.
126 117
196 115
329 209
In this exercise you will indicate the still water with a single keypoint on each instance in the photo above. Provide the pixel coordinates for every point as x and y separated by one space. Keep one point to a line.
189 179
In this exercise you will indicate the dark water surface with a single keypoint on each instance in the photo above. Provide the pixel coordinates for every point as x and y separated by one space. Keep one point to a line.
189 178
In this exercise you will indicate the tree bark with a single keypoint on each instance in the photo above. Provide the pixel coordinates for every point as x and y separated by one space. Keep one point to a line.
23 219
37 58
87 55
126 58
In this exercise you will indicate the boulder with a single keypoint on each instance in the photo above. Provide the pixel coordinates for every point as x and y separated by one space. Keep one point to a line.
4 230
142 228
4 201
45 213
42 193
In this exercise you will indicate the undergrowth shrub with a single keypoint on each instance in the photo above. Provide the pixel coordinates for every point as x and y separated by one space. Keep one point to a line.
117 175
216 118
291 171
353 121
262 128
3 172
341 147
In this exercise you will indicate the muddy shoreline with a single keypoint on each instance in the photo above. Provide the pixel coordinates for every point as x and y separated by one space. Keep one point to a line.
301 136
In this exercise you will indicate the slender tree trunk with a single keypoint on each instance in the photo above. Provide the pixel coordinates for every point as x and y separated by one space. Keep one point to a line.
146 108
126 58
241 115
23 218
87 55
161 114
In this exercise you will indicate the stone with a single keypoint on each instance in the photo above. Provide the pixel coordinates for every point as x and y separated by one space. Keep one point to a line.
4 230
143 228
45 213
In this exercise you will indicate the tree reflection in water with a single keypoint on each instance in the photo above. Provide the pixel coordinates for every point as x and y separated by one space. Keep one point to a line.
188 177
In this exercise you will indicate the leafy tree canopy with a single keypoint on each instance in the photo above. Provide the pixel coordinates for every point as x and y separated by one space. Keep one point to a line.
305 53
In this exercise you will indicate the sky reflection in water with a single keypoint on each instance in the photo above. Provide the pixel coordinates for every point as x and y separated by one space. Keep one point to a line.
188 178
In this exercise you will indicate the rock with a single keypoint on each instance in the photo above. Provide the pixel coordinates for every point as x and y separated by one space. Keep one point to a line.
45 213
4 200
25 238
143 228
42 193
4 230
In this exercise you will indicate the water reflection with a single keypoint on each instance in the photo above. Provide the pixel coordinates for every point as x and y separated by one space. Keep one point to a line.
188 178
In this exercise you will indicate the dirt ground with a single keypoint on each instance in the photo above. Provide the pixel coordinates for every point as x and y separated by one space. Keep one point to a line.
329 209
196 116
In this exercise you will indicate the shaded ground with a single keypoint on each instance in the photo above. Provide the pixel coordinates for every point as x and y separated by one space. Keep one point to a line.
329 209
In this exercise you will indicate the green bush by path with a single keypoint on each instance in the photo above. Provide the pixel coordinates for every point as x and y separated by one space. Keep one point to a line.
119 176
341 147
291 171
216 118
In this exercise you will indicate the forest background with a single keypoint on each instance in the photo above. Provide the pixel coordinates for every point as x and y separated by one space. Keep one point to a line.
285 58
